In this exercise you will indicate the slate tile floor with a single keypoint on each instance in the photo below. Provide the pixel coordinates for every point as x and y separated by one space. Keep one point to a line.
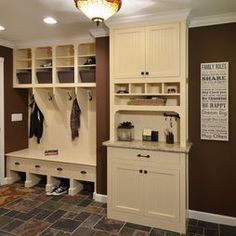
37 214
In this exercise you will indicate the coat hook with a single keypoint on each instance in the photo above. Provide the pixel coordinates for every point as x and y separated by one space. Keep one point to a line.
70 97
49 97
90 96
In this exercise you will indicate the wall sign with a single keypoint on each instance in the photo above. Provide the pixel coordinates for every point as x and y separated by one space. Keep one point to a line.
214 101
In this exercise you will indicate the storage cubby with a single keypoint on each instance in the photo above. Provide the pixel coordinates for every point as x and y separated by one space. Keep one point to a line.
137 88
154 88
43 53
171 88
87 50
121 89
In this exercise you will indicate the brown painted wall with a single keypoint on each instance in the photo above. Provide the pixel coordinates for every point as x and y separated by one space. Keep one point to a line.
212 167
102 106
16 133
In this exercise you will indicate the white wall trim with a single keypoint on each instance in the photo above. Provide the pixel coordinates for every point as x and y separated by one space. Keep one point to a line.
2 144
213 20
100 197
147 19
6 43
214 218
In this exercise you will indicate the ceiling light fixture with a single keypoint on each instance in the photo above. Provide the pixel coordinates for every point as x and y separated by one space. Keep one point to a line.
2 28
49 20
98 10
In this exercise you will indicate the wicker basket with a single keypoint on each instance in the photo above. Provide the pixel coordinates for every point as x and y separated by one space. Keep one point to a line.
147 102
87 76
66 76
44 77
24 77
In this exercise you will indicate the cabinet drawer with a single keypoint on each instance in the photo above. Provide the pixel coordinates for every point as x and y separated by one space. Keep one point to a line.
17 164
74 171
150 157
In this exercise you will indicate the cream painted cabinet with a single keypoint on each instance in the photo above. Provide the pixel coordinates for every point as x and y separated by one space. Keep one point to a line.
147 52
147 187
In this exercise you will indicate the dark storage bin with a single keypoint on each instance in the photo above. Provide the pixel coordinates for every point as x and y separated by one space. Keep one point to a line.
24 77
44 77
66 76
87 76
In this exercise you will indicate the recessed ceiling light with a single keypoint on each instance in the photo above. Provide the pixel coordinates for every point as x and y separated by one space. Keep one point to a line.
2 28
49 20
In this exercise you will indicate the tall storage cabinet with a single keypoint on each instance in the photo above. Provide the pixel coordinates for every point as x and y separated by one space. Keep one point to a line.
148 180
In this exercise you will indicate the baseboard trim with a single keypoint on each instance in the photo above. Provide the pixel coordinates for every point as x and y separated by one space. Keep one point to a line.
214 218
100 197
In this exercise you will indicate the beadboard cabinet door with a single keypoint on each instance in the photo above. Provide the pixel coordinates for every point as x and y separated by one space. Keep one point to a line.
129 53
163 50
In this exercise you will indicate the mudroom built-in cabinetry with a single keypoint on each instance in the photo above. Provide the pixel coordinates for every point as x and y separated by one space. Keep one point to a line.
148 146
55 76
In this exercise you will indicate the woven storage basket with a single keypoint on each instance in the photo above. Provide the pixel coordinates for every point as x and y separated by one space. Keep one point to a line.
66 76
147 102
24 77
44 77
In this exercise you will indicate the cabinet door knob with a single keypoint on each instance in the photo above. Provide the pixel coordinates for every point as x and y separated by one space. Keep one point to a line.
146 156
142 73
145 172
147 73
83 172
59 169
140 171
17 163
37 166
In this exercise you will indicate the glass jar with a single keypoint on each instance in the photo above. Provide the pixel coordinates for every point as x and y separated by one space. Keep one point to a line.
125 134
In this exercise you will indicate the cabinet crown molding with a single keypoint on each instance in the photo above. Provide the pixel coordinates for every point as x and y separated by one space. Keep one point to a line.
148 19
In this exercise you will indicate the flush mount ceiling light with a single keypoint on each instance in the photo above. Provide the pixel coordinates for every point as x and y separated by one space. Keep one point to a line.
49 20
1 28
98 10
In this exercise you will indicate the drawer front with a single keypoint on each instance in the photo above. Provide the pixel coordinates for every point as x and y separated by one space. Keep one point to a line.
150 157
75 171
17 164
38 167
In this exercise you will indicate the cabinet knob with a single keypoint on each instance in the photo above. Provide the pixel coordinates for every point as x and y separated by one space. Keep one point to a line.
145 172
83 172
17 163
59 169
140 171
142 73
37 166
147 73
146 156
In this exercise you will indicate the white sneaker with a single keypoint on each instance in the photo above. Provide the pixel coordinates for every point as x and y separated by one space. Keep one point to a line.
60 191
50 193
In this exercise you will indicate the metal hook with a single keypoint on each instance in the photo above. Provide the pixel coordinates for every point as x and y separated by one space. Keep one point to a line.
70 97
49 97
90 96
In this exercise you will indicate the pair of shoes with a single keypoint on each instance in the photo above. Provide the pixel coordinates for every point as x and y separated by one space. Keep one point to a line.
57 191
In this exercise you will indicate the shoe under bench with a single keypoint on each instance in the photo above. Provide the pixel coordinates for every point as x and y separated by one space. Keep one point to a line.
73 166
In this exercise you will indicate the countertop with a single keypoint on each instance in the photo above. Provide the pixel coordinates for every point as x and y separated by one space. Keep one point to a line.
148 145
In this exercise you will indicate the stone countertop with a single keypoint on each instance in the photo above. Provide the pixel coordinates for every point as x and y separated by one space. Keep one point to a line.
148 145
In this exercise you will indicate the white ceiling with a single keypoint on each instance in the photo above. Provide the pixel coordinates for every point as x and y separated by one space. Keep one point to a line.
23 18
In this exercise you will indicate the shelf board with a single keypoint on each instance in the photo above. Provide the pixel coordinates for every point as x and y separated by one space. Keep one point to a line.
146 108
64 57
147 94
87 55
86 85
24 68
24 59
65 85
66 66
40 67
43 58
22 86
92 65
43 85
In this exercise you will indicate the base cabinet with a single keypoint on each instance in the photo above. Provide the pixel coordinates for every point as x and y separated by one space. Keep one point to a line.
149 190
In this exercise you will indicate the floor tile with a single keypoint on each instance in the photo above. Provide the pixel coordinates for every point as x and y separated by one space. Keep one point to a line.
208 225
42 214
170 233
211 232
4 220
3 211
126 231
157 232
81 231
226 230
31 228
49 232
50 205
195 229
55 216
12 225
112 226
67 225
139 227
91 221
192 222
85 202
70 215
101 233
140 233
25 206
2 233
82 216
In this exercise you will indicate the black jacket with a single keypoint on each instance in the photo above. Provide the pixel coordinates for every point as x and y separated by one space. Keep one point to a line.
36 122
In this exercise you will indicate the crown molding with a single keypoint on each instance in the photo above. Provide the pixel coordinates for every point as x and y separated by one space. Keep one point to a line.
7 43
39 43
144 20
212 20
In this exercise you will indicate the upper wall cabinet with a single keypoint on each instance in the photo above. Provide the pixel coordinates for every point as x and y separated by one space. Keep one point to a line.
147 52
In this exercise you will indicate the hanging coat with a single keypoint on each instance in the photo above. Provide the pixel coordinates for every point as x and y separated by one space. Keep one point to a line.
36 122
75 119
